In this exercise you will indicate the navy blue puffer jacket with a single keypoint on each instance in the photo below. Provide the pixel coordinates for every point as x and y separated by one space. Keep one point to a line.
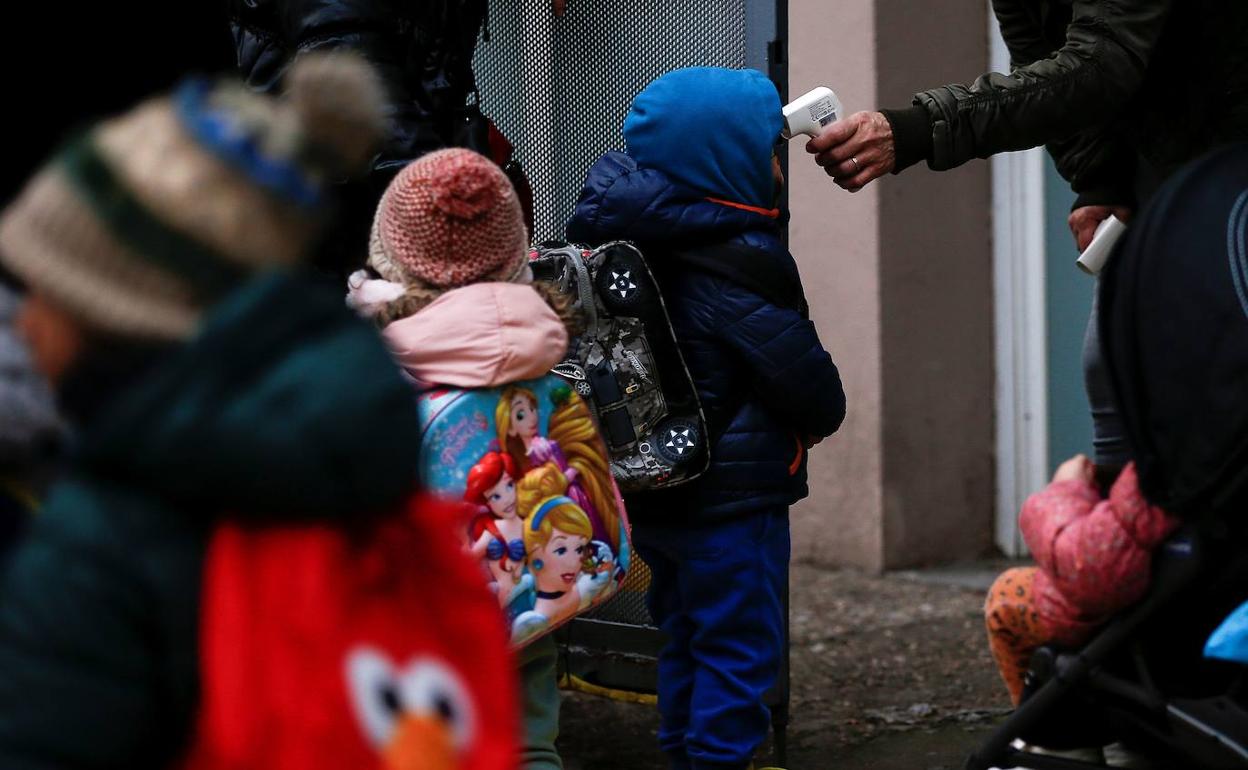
763 376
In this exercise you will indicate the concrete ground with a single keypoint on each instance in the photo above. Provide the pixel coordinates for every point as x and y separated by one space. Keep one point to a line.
888 672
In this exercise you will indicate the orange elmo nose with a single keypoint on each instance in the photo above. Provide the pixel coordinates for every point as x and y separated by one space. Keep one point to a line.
421 743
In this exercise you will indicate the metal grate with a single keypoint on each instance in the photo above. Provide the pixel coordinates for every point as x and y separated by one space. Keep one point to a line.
560 88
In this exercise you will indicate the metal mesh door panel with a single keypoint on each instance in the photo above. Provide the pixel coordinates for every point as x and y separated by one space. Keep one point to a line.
560 88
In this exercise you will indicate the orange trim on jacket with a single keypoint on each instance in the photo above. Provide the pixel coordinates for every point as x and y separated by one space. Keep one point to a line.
772 213
796 465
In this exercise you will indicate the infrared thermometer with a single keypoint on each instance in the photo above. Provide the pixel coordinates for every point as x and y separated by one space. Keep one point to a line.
810 112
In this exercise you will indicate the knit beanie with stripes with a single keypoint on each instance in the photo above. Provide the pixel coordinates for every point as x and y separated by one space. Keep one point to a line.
141 224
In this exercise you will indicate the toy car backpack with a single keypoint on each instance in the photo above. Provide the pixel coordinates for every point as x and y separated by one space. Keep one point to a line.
544 515
627 364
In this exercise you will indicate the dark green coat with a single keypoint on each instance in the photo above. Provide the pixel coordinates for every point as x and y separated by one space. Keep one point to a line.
284 407
1121 91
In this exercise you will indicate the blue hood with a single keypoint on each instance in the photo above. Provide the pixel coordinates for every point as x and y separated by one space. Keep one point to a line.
709 129
621 201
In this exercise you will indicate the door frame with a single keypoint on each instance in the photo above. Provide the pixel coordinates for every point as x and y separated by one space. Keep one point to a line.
1022 412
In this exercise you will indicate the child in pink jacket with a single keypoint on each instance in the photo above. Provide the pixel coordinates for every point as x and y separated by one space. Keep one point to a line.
1093 558
450 286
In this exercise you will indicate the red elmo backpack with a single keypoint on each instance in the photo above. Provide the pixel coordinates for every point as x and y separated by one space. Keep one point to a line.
322 651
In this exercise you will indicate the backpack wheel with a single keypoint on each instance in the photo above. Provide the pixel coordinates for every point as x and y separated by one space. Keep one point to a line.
677 441
620 282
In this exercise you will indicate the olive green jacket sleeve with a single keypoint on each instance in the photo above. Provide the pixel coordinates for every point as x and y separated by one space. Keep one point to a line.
1097 157
1099 164
1064 98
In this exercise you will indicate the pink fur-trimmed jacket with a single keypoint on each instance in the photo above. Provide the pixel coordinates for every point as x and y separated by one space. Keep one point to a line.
1094 555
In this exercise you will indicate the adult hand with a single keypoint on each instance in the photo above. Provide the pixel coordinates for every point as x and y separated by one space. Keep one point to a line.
1077 468
1084 220
855 150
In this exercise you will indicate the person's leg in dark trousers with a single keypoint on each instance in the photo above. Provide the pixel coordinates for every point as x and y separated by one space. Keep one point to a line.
1111 450
732 583
657 546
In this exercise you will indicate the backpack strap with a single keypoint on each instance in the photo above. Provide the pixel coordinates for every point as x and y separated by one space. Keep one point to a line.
751 268
585 292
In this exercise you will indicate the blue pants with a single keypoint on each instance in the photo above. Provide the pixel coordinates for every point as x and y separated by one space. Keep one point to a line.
718 592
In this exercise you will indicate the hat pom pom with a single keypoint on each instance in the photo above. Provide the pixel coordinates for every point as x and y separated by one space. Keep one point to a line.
339 99
472 187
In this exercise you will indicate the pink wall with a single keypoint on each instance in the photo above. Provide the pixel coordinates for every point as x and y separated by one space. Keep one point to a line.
899 279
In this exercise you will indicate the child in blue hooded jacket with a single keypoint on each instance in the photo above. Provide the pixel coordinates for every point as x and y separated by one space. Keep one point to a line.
697 191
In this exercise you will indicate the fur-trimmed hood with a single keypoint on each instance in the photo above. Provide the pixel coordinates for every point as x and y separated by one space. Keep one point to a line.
480 336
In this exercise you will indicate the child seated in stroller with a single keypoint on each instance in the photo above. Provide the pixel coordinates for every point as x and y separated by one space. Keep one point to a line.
1093 558
1174 325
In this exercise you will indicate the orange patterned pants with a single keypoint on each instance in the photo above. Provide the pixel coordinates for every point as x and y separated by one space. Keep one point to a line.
1014 630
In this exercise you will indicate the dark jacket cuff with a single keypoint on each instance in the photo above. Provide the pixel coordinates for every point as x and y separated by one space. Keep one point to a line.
912 135
1105 195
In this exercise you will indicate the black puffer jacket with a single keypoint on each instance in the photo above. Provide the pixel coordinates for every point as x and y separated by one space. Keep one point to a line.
1121 91
423 51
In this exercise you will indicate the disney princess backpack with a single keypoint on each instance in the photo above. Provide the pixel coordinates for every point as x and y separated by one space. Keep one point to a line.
541 511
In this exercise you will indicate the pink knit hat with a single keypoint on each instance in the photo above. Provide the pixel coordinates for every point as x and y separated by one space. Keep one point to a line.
449 219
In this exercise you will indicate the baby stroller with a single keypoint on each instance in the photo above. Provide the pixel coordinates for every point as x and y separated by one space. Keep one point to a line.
1143 680
1174 323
